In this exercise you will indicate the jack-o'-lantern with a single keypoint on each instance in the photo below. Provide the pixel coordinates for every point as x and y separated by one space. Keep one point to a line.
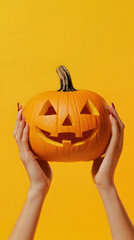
68 124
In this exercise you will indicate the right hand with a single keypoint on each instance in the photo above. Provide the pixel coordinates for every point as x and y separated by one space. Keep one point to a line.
39 171
103 168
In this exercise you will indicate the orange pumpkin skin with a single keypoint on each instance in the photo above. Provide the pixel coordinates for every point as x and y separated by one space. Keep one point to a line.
68 126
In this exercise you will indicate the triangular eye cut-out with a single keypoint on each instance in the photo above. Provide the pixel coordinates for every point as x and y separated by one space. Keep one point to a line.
67 121
47 109
85 109
50 111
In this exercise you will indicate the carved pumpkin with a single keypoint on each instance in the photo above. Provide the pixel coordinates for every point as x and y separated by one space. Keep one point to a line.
68 124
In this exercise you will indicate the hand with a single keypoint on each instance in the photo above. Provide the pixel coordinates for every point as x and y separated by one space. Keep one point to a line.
39 171
103 168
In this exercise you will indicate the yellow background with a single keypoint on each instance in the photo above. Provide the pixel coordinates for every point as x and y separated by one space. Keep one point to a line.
95 41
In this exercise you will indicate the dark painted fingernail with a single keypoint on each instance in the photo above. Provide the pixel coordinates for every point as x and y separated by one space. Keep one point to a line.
113 115
20 117
18 106
113 106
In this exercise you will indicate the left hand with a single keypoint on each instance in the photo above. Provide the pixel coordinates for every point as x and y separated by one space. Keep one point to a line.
103 168
39 171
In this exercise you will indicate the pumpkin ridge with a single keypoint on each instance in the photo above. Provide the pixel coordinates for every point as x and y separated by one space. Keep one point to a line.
77 112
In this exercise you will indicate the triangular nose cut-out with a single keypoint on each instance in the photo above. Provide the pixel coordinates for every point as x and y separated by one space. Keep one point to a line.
67 121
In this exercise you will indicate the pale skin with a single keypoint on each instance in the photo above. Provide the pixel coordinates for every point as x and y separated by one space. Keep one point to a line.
40 177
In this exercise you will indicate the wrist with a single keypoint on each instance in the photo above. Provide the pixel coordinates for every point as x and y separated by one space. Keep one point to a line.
35 192
106 188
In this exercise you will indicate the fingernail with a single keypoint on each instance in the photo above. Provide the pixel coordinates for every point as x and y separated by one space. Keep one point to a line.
20 117
113 106
113 115
18 106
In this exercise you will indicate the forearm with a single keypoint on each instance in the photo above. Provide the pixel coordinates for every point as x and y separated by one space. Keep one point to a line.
26 224
120 224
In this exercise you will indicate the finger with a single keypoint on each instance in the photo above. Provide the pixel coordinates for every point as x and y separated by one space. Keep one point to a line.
121 124
115 131
120 145
19 117
19 133
111 150
25 137
112 154
115 146
19 106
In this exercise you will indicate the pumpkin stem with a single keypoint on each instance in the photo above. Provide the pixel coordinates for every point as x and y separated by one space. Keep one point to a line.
65 79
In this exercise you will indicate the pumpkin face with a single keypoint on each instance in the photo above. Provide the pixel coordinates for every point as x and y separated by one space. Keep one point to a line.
71 123
68 125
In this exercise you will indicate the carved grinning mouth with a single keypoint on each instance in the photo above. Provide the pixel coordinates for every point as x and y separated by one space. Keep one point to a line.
66 136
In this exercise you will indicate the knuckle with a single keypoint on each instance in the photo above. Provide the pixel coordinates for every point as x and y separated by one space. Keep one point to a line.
14 134
17 138
23 140
122 127
22 156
